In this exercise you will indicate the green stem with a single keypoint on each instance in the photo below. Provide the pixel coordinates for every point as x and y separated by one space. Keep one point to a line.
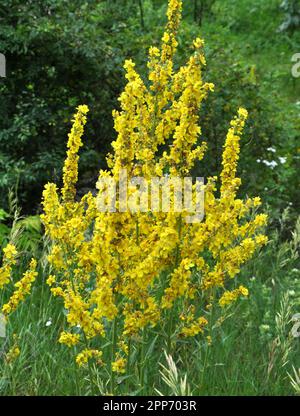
141 13
128 365
89 367
169 330
204 367
177 258
210 320
142 360
76 373
113 353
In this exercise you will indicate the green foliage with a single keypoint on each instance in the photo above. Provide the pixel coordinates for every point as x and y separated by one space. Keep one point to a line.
4 229
29 235
59 54
267 163
26 233
269 155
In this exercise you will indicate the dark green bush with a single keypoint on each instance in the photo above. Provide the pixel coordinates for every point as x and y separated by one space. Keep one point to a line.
59 54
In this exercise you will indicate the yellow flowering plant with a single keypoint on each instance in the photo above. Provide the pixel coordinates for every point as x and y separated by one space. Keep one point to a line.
119 273
9 260
22 288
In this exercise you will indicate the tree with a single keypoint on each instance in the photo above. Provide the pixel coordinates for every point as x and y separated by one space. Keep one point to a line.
59 54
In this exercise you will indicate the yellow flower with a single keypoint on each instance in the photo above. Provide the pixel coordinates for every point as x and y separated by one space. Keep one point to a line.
10 252
198 43
57 291
69 339
257 201
119 365
23 288
51 280
195 327
12 354
70 169
166 37
261 240
243 291
9 259
84 356
229 297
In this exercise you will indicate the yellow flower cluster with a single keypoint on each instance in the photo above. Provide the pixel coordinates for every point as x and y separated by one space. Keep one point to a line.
85 355
131 268
12 354
69 339
10 252
195 327
9 260
71 164
119 366
23 288
231 296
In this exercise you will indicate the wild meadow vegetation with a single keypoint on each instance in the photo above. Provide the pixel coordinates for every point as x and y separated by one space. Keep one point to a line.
148 303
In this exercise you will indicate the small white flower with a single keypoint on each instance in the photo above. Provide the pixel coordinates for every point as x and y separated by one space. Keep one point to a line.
49 322
271 149
271 164
282 159
258 160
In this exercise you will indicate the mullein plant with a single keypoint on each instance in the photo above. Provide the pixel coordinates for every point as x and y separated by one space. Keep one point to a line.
23 286
121 273
21 289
